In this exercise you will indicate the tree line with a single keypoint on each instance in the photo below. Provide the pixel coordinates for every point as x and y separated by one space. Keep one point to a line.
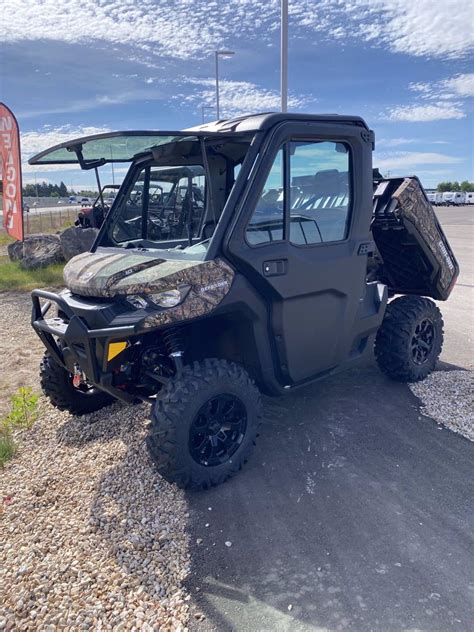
46 189
456 186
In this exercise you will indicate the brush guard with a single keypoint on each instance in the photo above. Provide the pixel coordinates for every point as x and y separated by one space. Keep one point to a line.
70 342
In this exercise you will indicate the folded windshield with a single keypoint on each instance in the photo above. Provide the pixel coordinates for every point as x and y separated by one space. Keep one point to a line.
108 147
175 198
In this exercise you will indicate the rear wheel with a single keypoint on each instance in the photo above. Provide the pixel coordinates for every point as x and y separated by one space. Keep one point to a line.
204 424
57 384
410 339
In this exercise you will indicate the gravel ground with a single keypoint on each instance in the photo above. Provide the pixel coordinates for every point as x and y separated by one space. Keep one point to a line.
91 538
20 347
448 397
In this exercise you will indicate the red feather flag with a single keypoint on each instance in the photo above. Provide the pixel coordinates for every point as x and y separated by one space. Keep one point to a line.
10 163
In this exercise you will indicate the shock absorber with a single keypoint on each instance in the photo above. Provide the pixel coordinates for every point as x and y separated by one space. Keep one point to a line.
174 344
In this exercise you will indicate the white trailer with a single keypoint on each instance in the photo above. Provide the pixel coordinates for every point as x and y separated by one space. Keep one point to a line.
470 197
435 197
454 198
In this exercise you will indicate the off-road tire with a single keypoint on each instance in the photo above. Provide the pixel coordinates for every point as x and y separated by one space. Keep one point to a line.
394 340
173 415
56 384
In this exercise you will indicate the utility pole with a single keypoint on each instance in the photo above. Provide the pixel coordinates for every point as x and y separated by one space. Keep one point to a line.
112 165
284 56
222 53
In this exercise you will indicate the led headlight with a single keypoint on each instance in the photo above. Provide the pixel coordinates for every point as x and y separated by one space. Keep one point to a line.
170 298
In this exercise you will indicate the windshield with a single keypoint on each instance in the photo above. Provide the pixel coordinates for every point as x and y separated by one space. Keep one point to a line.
176 198
164 204
110 147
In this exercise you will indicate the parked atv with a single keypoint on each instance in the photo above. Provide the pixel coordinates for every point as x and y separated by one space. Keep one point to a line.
93 216
241 256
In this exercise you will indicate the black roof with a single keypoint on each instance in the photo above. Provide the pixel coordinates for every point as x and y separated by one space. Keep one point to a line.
265 120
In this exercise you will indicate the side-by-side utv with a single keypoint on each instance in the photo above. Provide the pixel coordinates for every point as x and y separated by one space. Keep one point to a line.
254 254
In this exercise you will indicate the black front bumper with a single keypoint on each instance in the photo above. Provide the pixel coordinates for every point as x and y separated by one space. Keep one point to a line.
70 341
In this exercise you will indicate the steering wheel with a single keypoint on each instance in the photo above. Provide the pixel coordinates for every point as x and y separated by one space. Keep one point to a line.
208 229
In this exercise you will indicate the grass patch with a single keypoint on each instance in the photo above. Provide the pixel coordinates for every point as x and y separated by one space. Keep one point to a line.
23 414
8 447
24 409
5 239
15 278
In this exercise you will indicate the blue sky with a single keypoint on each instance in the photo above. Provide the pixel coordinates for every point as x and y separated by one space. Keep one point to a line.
73 67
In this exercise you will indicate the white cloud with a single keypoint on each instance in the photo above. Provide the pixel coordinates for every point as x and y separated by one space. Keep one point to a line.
395 142
181 29
461 85
425 113
185 29
403 161
34 142
239 97
424 28
438 100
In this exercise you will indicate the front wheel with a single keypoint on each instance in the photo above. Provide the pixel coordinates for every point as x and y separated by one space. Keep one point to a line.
57 384
204 424
410 339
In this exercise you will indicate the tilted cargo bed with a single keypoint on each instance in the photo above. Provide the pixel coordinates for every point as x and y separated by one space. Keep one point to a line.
414 256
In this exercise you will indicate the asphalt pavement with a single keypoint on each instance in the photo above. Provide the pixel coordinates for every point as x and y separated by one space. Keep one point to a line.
355 511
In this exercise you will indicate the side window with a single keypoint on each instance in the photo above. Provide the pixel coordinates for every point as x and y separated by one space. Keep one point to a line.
319 192
267 221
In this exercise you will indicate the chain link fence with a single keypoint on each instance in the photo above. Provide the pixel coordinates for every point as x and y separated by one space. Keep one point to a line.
48 220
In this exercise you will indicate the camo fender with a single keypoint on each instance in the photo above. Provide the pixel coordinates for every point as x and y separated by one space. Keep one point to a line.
209 282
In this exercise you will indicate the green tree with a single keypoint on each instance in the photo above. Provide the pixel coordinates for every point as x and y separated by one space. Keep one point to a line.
62 189
467 186
445 186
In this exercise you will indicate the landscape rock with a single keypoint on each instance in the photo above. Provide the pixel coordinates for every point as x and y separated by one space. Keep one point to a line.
15 251
76 240
40 251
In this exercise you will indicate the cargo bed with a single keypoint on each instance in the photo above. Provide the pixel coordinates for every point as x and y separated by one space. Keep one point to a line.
413 254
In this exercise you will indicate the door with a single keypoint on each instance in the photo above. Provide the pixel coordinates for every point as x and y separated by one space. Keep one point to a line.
302 240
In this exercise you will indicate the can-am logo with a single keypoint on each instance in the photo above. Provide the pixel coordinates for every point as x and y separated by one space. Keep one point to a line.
214 286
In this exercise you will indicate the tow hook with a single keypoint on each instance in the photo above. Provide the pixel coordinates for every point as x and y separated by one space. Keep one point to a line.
77 376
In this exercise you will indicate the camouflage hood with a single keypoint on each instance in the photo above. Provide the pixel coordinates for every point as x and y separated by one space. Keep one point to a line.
99 274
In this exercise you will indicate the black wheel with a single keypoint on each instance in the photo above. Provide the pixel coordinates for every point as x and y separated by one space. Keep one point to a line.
203 426
57 385
410 339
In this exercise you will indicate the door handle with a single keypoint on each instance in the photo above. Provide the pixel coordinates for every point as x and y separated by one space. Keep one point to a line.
276 267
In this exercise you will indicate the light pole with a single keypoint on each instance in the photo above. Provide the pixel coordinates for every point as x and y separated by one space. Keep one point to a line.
284 56
222 53
203 109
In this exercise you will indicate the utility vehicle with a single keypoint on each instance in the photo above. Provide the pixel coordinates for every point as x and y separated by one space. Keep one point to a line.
93 216
243 256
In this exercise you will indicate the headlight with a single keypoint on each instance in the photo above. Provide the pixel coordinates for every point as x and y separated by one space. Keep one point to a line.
170 298
166 298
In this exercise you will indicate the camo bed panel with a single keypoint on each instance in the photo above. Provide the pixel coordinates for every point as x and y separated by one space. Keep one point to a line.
415 207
